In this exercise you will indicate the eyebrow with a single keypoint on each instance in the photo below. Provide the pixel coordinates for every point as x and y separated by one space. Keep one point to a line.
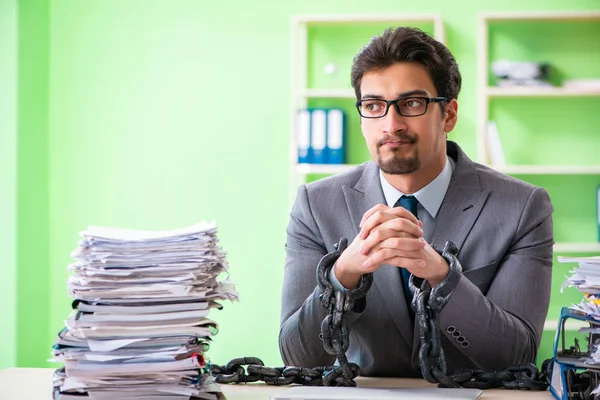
400 95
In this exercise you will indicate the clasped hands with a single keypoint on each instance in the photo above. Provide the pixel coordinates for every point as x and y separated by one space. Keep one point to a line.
394 236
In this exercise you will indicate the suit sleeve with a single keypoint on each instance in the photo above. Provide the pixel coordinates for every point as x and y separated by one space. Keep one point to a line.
301 310
504 327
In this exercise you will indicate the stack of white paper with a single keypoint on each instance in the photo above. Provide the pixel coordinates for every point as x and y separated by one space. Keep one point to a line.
140 322
586 278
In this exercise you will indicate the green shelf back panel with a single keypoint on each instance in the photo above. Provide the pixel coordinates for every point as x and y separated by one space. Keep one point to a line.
571 47
548 130
574 201
338 44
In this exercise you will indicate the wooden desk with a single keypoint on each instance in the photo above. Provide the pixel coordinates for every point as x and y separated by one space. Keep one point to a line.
36 383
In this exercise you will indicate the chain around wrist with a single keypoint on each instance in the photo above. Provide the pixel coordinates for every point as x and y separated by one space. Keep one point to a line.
440 293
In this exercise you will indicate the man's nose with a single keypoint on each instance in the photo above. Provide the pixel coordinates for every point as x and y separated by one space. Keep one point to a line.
393 121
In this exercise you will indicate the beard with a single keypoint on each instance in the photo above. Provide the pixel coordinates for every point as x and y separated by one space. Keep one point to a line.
398 165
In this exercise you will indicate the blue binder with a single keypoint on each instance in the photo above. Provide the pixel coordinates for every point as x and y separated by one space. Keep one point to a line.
318 135
303 136
335 136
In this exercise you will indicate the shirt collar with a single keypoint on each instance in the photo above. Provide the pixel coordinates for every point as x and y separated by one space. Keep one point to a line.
430 196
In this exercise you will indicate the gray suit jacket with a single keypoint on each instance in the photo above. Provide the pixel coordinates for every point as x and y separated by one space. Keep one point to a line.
503 229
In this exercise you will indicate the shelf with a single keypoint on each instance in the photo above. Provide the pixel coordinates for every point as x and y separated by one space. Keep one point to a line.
570 325
329 93
548 169
540 92
508 169
361 18
542 16
323 168
564 247
490 92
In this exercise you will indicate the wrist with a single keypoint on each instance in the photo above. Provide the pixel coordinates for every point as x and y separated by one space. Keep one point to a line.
443 269
347 280
435 281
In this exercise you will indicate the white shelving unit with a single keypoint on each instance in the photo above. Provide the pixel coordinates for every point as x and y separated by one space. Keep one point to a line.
305 169
328 93
550 169
508 169
486 93
568 248
490 92
299 74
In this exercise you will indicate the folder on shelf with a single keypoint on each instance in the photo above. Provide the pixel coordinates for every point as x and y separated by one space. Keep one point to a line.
335 136
303 136
318 136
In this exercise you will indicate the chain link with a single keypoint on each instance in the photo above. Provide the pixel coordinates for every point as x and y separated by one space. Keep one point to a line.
252 369
334 333
426 303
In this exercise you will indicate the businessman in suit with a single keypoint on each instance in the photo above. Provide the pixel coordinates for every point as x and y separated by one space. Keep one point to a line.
406 86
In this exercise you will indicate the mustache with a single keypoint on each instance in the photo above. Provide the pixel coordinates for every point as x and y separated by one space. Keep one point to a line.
401 137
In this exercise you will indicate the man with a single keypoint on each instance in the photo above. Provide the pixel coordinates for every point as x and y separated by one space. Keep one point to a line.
407 85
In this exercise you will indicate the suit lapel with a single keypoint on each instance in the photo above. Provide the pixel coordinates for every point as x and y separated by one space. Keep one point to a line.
461 207
386 280
462 203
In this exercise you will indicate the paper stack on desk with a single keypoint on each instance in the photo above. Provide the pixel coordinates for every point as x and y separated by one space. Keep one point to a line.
140 323
586 278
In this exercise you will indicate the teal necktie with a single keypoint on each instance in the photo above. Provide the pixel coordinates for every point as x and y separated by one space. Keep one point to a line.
410 203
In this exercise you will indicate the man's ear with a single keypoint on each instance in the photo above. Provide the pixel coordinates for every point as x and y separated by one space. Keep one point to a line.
451 115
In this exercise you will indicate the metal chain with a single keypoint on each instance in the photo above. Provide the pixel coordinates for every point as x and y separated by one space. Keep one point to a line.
234 372
334 333
426 303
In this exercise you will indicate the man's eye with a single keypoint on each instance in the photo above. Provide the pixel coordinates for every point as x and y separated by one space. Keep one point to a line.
413 103
372 106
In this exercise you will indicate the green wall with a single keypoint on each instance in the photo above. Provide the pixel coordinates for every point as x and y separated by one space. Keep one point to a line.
33 288
156 114
8 178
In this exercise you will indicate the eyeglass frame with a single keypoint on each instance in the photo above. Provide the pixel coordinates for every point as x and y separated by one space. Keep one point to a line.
395 102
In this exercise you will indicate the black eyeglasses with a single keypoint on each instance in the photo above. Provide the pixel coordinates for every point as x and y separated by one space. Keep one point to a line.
405 106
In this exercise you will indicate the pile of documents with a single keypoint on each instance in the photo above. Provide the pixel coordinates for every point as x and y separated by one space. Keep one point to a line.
586 278
139 328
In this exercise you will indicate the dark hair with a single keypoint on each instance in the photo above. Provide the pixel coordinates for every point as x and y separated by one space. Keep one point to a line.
409 44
